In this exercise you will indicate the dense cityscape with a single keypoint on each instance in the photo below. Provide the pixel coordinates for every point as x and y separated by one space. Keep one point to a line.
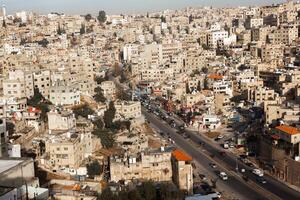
200 103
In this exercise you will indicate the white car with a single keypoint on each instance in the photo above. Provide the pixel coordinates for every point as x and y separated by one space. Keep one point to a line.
220 136
223 176
258 172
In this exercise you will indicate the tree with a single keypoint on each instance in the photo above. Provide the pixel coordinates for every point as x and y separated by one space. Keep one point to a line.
38 101
199 86
123 77
147 191
134 195
60 30
163 19
88 17
117 69
98 123
191 19
169 192
205 84
4 24
99 96
204 70
106 137
82 29
101 16
10 127
107 194
109 115
187 88
99 79
44 42
36 98
204 46
93 169
83 111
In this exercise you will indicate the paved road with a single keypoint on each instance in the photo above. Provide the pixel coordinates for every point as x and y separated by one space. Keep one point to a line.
203 157
272 186
273 189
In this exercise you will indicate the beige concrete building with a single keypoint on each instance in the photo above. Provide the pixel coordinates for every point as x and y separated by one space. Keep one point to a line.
61 120
109 89
152 165
285 34
64 93
260 95
182 171
68 149
127 110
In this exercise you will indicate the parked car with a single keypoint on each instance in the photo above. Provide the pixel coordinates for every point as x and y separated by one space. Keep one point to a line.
202 176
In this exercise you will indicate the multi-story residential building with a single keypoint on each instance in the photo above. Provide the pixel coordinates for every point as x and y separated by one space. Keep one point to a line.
61 120
216 36
260 95
42 81
127 110
253 22
68 149
152 165
224 87
285 34
14 88
12 107
182 170
64 93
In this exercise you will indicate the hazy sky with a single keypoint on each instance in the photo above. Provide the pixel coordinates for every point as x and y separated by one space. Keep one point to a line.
118 6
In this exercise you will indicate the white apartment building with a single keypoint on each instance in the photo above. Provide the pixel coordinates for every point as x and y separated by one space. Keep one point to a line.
224 87
63 93
12 107
130 51
61 120
214 37
14 88
253 22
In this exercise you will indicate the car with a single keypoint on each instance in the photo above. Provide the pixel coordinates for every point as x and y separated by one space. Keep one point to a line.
258 172
220 136
249 164
213 165
202 176
261 180
222 153
217 139
223 176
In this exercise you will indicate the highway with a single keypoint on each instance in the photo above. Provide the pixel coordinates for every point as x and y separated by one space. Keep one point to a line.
248 189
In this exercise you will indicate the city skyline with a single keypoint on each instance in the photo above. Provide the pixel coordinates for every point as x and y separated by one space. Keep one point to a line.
118 6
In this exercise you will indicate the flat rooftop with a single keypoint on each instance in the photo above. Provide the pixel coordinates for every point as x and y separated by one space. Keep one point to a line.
7 164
